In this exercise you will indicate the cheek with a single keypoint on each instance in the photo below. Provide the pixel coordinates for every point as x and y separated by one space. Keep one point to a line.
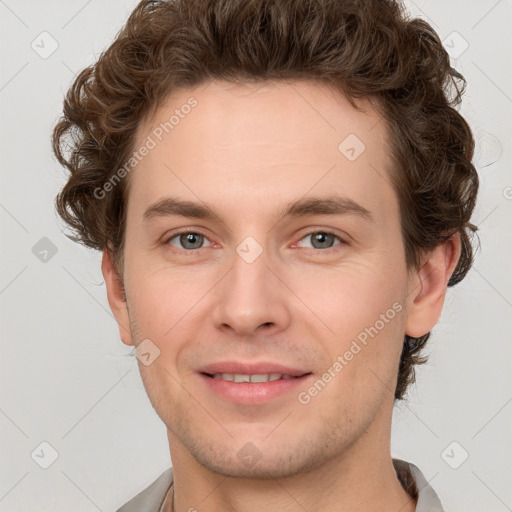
365 313
350 297
363 305
163 301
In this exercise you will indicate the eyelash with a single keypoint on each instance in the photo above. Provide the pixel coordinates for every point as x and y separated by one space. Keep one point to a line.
322 231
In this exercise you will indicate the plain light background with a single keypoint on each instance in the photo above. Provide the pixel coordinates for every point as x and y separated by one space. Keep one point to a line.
65 379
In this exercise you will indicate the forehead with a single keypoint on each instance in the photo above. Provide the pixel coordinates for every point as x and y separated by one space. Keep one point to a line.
260 144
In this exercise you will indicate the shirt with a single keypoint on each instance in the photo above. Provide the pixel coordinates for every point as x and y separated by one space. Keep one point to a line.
152 497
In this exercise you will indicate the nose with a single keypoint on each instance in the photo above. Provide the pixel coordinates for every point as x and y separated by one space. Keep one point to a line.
252 299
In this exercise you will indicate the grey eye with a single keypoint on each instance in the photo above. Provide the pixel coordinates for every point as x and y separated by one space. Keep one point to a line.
322 239
188 240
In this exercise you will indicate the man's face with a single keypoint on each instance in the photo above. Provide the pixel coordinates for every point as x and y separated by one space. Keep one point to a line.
252 285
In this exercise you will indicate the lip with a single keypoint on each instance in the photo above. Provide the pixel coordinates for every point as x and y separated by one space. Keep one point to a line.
246 368
253 393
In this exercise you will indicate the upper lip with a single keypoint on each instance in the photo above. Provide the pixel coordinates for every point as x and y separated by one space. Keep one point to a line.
246 368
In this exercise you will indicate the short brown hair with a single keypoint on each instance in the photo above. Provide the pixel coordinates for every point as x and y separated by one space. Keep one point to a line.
363 48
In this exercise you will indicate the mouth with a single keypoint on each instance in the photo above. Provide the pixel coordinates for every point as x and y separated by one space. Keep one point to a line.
254 378
254 388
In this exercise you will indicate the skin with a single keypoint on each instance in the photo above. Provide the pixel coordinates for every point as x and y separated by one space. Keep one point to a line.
247 152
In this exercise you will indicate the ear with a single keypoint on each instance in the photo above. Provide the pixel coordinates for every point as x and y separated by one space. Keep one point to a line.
427 287
116 298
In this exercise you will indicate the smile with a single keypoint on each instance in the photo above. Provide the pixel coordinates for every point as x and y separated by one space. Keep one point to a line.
261 377
253 389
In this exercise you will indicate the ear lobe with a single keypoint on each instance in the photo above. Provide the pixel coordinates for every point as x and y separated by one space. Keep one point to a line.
116 297
428 287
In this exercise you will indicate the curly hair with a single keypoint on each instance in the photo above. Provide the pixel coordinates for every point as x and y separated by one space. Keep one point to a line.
363 48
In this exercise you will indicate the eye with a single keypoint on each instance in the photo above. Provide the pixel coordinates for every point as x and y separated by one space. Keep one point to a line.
187 240
322 239
190 240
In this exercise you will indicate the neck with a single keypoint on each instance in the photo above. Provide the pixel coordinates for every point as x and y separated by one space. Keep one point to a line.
349 483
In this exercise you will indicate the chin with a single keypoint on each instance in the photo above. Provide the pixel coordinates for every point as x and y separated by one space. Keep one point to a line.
268 462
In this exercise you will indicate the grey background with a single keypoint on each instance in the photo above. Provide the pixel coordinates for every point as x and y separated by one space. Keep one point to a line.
65 379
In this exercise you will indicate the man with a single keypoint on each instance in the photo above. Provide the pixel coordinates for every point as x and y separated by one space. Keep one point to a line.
282 191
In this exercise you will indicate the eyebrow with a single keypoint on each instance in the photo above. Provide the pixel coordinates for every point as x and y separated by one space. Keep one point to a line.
331 205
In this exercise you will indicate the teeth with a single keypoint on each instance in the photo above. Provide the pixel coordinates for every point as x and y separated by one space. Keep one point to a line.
262 377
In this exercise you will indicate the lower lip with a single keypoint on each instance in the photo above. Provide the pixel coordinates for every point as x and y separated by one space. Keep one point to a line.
253 393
